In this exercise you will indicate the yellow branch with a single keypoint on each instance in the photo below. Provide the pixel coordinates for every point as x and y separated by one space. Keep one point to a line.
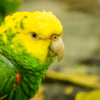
82 80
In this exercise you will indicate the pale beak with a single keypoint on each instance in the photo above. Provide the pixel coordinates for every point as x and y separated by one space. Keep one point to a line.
56 48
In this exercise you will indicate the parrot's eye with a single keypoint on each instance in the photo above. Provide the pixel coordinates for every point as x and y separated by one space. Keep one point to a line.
33 35
54 37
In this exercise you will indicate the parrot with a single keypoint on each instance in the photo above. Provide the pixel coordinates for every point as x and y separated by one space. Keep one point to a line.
31 41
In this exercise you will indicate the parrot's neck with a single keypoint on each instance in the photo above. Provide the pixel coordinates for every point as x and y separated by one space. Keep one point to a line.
30 83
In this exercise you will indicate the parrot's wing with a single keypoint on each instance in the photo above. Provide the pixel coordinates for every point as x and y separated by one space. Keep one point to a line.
7 78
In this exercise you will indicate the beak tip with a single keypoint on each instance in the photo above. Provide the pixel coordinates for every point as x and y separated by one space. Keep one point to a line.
59 59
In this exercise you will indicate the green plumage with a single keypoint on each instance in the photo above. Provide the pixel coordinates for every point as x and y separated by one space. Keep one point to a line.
31 77
30 70
7 78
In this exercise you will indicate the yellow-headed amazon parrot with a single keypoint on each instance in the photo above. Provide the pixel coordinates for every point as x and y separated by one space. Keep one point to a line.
30 41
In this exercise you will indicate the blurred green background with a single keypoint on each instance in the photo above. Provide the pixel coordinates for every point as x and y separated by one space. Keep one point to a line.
78 73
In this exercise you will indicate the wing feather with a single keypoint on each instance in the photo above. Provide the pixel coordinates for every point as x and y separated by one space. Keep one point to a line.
7 78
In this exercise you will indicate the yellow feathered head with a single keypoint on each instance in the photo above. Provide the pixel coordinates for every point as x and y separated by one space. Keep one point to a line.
38 33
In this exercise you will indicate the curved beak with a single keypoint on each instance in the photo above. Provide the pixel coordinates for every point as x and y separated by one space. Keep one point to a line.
56 48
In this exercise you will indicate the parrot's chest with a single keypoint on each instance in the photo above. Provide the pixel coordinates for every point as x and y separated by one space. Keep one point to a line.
29 83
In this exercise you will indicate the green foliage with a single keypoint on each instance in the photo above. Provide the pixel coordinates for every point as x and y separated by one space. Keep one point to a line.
9 6
1 17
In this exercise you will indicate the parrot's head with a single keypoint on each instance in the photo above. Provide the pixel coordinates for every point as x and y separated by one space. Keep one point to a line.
33 35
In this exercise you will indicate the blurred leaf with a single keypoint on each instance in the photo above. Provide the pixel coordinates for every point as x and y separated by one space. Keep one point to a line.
9 6
69 90
94 95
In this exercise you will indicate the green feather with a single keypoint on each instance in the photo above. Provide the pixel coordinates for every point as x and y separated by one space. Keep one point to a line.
9 86
25 87
7 78
21 25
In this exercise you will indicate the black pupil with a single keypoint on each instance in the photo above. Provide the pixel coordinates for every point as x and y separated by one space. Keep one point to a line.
34 35
55 37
